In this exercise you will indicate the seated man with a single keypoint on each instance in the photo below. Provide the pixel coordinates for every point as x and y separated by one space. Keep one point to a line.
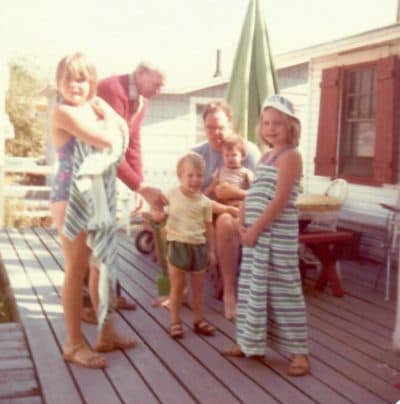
217 119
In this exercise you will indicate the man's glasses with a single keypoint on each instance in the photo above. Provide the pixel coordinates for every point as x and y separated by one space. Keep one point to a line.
210 128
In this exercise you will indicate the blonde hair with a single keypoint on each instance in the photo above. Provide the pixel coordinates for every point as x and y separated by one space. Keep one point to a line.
76 65
193 158
293 128
232 141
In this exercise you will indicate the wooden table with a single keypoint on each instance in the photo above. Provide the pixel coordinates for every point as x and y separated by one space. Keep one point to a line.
326 246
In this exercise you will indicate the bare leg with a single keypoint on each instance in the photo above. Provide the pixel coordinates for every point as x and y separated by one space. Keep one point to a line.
76 255
228 245
197 280
177 279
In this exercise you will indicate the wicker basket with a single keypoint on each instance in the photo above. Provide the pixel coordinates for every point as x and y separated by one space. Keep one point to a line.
321 210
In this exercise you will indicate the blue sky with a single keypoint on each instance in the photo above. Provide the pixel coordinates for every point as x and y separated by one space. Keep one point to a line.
180 35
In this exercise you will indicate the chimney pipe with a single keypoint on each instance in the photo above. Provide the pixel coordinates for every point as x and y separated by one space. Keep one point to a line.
218 64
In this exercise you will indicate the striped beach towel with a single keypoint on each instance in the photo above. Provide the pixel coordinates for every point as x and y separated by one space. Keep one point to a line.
92 209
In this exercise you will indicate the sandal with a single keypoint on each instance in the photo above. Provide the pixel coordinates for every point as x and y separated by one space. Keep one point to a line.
203 328
176 330
235 351
299 367
82 355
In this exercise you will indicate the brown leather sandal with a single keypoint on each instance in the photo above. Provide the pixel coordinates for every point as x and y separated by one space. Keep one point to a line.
176 330
82 355
202 327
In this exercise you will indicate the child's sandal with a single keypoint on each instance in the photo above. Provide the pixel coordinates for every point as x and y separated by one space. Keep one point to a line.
176 330
202 327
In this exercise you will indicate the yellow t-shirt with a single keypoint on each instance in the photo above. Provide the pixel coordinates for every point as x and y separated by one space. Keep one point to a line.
187 217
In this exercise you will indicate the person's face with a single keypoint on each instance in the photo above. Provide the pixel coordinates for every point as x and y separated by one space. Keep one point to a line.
216 125
232 157
274 128
149 83
191 179
75 90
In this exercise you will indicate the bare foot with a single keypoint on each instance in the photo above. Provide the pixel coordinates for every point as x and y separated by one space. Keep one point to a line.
109 340
162 301
300 365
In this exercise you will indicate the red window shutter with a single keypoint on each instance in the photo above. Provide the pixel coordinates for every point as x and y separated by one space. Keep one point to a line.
387 118
325 158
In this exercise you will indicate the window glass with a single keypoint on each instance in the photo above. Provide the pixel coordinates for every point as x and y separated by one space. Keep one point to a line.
357 137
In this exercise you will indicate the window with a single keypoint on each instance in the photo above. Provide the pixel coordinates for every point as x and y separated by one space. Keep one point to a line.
200 135
358 123
197 105
358 129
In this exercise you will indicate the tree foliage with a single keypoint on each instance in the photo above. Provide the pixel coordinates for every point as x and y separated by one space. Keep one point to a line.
26 82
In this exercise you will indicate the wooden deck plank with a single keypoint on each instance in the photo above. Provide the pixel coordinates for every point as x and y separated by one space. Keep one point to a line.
52 326
155 373
35 324
166 337
118 364
315 388
203 356
23 400
352 391
349 340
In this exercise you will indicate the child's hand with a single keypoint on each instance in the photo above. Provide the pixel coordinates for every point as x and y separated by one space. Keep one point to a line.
98 108
249 236
157 215
233 210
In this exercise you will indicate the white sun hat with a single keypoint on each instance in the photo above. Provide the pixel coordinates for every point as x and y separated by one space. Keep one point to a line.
281 104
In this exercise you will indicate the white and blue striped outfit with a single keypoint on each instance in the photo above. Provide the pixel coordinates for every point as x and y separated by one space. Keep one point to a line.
270 299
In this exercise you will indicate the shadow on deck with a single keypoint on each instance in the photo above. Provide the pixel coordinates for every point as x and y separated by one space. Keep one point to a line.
351 359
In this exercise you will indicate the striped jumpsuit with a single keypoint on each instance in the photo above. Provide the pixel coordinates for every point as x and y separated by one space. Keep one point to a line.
271 304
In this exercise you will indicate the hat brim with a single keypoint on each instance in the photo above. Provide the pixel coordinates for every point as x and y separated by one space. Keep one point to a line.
280 108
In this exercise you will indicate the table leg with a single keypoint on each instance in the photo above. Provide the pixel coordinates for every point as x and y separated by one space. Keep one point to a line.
326 254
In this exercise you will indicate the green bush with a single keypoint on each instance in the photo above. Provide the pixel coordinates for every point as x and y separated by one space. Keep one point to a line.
27 80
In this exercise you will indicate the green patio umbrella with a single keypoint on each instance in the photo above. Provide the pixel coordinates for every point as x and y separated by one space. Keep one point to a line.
253 75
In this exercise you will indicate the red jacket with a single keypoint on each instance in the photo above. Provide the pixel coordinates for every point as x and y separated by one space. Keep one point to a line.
115 91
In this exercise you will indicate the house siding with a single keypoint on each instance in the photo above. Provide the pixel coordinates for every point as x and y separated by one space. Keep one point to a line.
361 211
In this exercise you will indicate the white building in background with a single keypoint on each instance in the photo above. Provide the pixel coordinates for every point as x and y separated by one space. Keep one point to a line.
173 123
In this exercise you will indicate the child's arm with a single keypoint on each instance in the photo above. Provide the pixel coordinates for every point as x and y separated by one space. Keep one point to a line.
218 208
75 122
157 212
210 236
248 179
229 192
214 182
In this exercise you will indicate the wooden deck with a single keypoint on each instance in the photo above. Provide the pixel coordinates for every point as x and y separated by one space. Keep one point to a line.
349 338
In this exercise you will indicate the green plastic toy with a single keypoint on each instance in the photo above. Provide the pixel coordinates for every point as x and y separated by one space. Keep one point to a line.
163 284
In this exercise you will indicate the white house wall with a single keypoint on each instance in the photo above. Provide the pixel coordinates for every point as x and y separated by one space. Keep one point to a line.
362 205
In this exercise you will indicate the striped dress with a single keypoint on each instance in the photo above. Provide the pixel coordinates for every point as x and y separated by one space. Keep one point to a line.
270 299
